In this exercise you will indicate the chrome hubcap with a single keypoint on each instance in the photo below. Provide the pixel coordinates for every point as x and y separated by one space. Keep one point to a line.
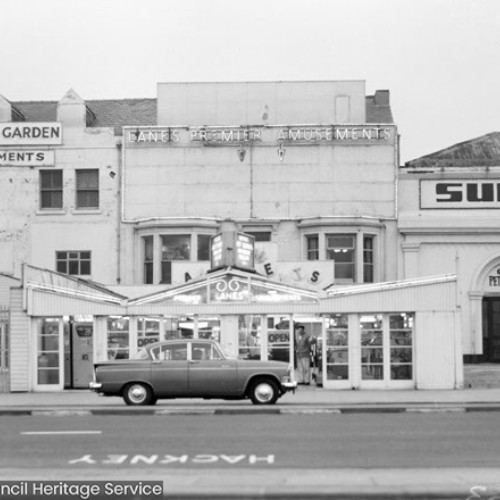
264 393
137 393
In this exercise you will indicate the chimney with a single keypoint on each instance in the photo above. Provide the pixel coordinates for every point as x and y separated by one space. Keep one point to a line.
381 98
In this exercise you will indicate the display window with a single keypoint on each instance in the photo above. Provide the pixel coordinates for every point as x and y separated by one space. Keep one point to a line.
336 350
249 336
148 331
48 352
401 346
118 337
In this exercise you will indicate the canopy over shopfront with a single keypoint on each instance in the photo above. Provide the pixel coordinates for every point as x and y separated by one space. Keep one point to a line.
401 334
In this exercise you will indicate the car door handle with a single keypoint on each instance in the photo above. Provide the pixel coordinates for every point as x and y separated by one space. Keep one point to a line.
193 362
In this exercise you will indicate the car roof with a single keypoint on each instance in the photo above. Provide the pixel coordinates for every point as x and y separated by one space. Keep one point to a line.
178 341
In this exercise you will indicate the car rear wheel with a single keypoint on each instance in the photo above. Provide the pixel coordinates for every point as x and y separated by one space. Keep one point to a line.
264 392
138 394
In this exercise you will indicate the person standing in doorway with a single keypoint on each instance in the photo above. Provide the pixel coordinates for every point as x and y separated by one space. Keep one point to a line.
303 344
252 344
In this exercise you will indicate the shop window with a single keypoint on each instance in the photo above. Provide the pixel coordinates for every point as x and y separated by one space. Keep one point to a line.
87 188
73 262
148 259
342 249
51 190
204 247
48 357
173 247
249 336
209 327
372 348
337 347
148 331
368 260
172 327
118 337
312 242
401 345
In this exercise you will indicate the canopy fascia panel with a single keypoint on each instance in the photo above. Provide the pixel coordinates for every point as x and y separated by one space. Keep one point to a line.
229 286
435 293
46 290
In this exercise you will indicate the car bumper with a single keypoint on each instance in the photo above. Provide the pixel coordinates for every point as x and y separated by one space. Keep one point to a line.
95 386
289 386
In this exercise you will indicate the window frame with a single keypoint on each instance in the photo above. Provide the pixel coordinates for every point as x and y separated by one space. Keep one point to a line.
53 189
79 191
69 260
353 263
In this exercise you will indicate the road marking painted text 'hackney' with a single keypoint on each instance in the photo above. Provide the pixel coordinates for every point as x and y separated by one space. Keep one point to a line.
173 459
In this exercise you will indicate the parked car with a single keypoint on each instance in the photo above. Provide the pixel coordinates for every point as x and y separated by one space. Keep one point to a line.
191 368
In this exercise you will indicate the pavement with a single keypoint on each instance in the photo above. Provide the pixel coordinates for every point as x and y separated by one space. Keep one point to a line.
306 400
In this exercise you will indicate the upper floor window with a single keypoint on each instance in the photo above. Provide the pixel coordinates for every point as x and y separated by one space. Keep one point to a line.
312 241
73 262
368 260
260 235
148 259
166 258
87 188
173 247
204 246
342 249
51 189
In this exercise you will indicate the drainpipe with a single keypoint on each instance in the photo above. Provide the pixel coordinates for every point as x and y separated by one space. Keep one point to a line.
118 214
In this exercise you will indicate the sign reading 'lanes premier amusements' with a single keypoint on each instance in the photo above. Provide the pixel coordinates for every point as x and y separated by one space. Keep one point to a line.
26 134
263 134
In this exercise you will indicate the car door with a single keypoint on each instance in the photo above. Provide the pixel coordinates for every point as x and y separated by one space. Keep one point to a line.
210 374
169 371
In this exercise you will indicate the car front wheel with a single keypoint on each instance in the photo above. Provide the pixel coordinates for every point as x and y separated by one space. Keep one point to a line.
138 394
264 392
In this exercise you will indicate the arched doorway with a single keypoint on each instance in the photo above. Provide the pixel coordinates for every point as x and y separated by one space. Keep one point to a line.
486 286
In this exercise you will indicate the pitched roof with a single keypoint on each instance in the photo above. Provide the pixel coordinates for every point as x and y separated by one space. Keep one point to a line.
481 151
115 113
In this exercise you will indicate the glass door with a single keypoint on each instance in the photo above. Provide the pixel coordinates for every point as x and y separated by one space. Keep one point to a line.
386 344
49 370
335 352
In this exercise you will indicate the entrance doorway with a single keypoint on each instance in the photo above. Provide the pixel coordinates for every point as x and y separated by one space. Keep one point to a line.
78 353
491 330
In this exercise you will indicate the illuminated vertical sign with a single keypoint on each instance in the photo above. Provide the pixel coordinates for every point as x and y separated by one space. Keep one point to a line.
244 251
216 254
231 249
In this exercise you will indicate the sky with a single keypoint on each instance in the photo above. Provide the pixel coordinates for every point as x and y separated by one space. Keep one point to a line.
438 58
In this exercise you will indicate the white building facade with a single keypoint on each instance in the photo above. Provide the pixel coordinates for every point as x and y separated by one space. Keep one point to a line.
449 206
135 194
